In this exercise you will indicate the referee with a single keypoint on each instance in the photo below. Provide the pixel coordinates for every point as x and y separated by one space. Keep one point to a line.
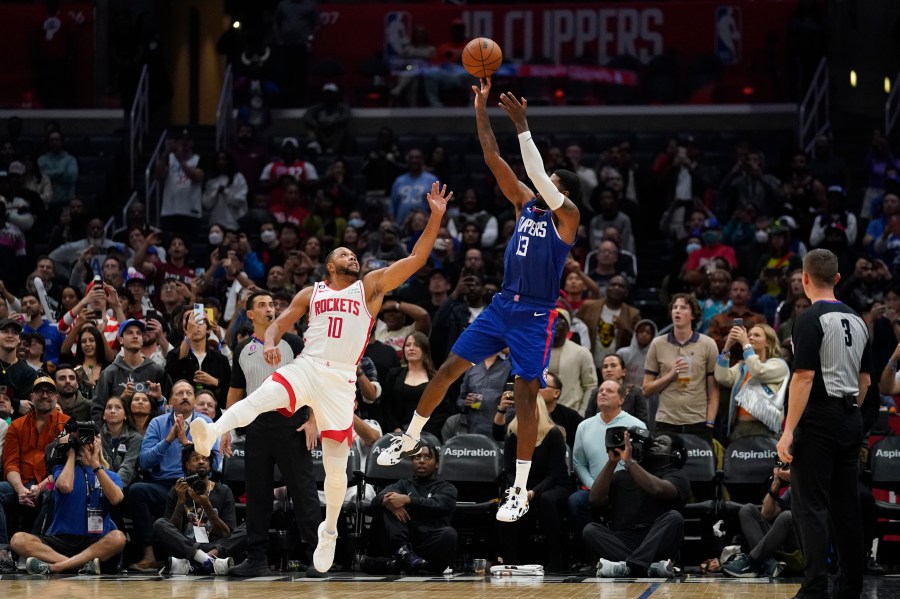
272 439
823 430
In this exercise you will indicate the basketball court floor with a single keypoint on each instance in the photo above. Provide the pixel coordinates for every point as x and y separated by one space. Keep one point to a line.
353 586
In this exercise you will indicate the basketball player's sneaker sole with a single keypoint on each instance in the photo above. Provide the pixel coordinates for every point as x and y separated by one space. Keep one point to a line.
202 436
514 506
323 556
401 446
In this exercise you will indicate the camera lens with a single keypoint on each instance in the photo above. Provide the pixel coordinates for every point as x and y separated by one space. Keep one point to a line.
140 387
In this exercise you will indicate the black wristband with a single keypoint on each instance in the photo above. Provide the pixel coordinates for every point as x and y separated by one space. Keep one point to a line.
499 411
97 469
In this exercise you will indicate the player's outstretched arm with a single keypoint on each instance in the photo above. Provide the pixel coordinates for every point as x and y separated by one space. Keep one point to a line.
275 331
381 281
564 209
514 190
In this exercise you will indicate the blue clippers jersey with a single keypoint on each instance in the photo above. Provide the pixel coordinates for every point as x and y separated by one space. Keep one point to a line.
535 257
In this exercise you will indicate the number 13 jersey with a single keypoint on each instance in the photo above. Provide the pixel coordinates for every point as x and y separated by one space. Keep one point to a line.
535 257
339 324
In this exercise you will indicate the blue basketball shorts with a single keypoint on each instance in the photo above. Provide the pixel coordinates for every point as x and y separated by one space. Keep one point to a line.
525 328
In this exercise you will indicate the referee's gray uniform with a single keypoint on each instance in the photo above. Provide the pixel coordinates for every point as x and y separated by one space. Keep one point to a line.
831 340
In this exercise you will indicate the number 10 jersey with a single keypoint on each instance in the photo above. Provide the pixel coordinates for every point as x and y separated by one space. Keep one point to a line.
339 324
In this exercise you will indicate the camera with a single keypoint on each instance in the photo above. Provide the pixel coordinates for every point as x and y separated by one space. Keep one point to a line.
197 483
81 433
783 465
615 437
140 388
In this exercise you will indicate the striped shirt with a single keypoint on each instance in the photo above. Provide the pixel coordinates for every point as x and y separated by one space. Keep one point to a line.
832 340
249 369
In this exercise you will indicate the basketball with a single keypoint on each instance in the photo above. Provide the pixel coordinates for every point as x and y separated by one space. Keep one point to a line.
481 57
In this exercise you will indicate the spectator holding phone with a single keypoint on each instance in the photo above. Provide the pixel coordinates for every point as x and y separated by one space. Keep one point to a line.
757 382
100 307
739 314
192 359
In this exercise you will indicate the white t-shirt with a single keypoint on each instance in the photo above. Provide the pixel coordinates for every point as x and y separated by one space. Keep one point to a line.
181 196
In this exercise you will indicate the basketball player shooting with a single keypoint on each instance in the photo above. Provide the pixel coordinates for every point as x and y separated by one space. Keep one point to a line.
323 376
523 315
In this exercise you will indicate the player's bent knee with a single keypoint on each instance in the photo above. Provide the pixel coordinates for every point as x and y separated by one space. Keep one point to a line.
335 468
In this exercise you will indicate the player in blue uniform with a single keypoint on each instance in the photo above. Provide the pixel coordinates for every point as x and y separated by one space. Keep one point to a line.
522 316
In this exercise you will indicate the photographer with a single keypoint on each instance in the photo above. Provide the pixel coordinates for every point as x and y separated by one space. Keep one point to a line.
81 533
130 372
161 466
199 527
646 529
766 531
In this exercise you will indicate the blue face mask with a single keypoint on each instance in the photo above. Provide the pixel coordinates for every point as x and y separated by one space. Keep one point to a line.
356 223
692 247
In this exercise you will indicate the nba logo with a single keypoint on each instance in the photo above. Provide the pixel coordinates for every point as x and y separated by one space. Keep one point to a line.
397 29
728 34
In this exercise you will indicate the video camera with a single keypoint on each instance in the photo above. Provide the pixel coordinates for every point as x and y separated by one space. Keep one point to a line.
640 439
81 433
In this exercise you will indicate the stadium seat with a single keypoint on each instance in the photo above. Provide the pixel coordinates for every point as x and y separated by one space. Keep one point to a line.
748 465
474 465
884 470
700 513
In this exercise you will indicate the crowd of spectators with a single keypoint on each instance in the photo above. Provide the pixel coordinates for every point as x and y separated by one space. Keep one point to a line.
135 329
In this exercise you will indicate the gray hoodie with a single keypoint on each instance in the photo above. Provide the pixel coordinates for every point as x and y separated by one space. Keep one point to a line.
635 357
118 374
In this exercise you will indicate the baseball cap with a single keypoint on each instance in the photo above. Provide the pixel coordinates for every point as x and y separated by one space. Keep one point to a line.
712 224
43 380
330 87
290 141
565 315
131 321
11 322
16 168
133 276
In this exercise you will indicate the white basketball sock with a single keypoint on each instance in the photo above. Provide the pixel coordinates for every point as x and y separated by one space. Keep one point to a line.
414 429
523 467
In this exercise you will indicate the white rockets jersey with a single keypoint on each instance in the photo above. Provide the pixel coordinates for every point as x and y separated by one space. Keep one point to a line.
339 324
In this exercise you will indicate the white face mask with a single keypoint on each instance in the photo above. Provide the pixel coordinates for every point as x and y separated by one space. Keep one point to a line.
762 236
267 236
215 238
693 247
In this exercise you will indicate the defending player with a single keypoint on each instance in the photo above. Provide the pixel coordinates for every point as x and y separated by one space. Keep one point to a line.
523 314
324 375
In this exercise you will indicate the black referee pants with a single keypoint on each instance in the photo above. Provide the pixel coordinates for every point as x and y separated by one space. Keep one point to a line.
824 479
267 446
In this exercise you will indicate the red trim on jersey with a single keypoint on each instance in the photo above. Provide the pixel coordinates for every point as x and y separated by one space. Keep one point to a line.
549 341
288 412
339 436
368 336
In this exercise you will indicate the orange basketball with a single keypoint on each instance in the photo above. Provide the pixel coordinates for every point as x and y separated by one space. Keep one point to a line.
481 57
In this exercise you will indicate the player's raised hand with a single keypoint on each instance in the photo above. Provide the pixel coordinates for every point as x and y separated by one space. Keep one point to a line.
438 198
481 95
514 107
